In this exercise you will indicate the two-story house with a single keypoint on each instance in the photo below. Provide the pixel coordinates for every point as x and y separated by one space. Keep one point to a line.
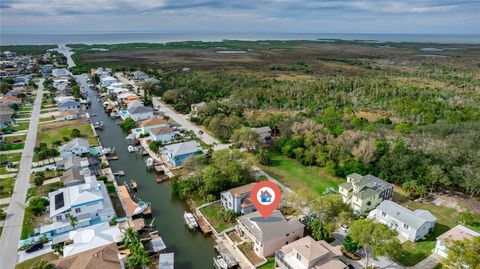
77 146
139 113
238 199
457 233
411 225
179 152
88 202
307 253
364 193
269 236
69 105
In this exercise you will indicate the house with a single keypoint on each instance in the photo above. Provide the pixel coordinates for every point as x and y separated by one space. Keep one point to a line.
146 125
107 81
238 199
67 115
307 253
74 176
86 239
10 100
197 108
69 105
88 202
457 233
165 261
411 225
77 146
162 134
101 71
139 113
364 193
124 95
6 116
60 72
71 162
46 69
139 75
179 152
269 236
130 99
105 257
264 134
60 83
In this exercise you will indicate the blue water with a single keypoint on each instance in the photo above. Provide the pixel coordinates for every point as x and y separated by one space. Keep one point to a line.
115 38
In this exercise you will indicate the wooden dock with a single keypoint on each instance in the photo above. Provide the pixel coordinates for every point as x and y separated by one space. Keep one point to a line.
203 224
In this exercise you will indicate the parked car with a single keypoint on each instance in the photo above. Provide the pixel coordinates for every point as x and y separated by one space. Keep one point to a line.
34 247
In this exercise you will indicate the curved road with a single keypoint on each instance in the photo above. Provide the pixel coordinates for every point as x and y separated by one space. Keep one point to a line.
15 211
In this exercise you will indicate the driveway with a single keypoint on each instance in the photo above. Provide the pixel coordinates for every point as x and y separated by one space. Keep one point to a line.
15 211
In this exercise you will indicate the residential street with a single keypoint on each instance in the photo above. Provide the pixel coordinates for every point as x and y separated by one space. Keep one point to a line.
13 223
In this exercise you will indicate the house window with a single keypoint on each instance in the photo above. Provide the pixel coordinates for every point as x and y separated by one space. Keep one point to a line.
299 257
78 210
384 214
406 226
287 235
59 217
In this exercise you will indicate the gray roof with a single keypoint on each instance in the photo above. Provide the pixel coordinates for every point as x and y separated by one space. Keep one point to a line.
265 231
262 130
183 148
69 103
77 142
355 176
165 261
366 193
414 219
139 109
73 161
72 176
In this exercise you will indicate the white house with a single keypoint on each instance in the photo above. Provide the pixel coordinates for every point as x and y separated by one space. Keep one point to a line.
177 153
88 202
264 134
77 146
67 115
69 105
162 134
457 233
88 238
60 72
238 199
139 75
107 81
411 225
147 125
139 113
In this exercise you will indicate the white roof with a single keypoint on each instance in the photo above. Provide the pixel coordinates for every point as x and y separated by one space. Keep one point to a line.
165 261
414 219
183 148
77 142
115 85
91 237
125 95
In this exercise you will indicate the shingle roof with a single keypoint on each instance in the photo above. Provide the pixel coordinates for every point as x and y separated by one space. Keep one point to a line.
313 250
139 109
405 215
72 176
161 131
268 230
69 103
105 257
239 191
152 122
82 142
183 148
457 233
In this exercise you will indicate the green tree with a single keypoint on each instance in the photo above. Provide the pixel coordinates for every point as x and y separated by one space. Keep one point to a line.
130 236
58 248
464 254
349 245
246 138
138 258
73 221
227 215
39 178
42 264
75 133
37 205
375 238
128 124
466 217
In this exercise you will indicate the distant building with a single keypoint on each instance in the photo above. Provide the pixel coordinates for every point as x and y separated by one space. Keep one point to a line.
6 114
238 199
264 134
107 81
139 113
69 105
268 237
412 225
77 146
179 152
46 69
67 115
10 100
57 72
162 134
139 75
197 108
457 233
307 253
364 193
104 257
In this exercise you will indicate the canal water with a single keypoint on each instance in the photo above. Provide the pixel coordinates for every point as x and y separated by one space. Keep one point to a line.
192 249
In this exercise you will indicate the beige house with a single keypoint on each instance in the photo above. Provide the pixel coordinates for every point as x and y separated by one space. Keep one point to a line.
457 233
238 199
365 193
268 236
307 253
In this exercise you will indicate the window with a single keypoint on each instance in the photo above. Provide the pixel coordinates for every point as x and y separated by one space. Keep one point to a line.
287 235
59 217
384 214
299 257
406 226
78 210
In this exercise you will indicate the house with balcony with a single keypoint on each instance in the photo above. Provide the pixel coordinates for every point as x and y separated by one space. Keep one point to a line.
88 202
179 152
77 146
69 105
364 193
410 225
238 199
307 253
139 113
146 125
162 134
269 236
457 233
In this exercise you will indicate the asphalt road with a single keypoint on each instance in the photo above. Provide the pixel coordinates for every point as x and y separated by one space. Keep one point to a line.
15 211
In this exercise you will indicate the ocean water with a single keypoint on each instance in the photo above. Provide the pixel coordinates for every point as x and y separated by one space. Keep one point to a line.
116 38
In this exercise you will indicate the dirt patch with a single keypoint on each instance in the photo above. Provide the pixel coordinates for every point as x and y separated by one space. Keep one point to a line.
457 201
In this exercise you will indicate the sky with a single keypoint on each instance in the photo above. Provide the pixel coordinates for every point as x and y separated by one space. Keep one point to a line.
241 16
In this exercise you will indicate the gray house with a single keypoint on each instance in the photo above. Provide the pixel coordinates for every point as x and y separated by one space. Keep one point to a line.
74 176
238 199
265 134
69 105
411 225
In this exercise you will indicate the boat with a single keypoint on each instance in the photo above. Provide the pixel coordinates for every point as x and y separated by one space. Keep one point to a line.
98 125
131 149
133 185
220 263
149 162
190 220
119 173
141 207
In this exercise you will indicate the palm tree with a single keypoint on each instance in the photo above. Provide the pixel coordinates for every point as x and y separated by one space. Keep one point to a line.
130 236
42 264
138 258
73 221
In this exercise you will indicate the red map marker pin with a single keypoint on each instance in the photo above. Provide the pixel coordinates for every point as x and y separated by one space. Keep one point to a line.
266 195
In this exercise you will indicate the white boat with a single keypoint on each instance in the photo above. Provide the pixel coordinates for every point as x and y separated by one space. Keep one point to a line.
141 207
149 162
190 220
132 149
98 125
220 263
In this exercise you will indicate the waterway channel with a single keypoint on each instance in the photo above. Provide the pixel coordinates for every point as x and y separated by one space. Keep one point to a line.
192 249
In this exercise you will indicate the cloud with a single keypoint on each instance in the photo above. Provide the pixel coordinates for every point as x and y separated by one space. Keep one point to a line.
292 15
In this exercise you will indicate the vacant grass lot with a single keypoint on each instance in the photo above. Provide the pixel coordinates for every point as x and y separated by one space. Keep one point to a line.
6 187
13 142
297 176
211 212
32 262
22 126
4 171
269 265
447 218
61 131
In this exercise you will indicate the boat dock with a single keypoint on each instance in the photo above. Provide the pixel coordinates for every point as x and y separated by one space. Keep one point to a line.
129 203
203 224
227 256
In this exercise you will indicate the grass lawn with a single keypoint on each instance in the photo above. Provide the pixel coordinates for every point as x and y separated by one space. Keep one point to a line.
13 142
44 190
298 176
4 171
269 265
22 125
211 212
25 109
235 238
27 226
50 132
447 218
30 263
6 187
117 205
12 147
48 174
247 249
